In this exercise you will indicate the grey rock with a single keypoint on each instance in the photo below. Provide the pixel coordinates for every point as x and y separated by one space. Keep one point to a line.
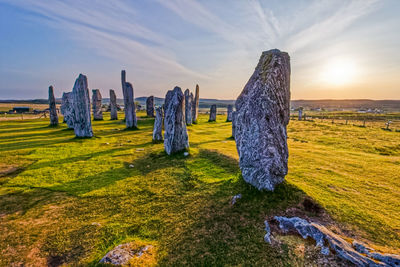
188 107
328 240
150 106
195 105
267 236
67 109
81 104
96 105
389 259
233 124
157 130
262 114
300 114
175 133
229 113
122 254
235 198
52 108
113 105
129 102
213 113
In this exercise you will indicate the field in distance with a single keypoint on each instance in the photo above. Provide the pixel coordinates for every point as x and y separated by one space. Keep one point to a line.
68 200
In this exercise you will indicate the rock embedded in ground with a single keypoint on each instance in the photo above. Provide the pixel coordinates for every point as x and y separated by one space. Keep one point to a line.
267 236
52 108
96 105
213 113
262 114
235 198
229 113
67 109
150 106
188 107
81 104
123 254
175 133
195 105
157 129
113 105
327 240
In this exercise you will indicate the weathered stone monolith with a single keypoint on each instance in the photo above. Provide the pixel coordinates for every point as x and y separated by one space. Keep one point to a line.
300 113
129 102
195 105
150 106
188 107
157 130
81 104
233 123
52 108
262 114
113 105
96 105
229 113
67 109
175 133
213 113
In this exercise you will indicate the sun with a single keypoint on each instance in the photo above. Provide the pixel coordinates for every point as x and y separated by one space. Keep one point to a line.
339 72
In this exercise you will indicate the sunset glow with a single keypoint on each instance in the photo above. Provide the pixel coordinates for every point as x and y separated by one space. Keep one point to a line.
339 72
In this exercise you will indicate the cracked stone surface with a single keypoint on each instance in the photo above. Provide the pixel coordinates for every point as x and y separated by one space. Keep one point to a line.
188 107
52 107
81 104
96 105
150 106
67 109
175 133
213 113
262 115
113 105
157 130
129 102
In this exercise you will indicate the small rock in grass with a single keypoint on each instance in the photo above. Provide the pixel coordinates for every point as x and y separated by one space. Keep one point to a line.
122 254
131 166
140 149
267 237
186 154
235 198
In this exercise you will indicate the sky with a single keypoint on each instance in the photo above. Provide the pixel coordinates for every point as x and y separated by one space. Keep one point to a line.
339 49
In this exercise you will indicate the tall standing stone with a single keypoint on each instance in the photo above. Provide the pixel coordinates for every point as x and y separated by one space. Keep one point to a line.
52 108
129 102
113 105
300 113
175 133
67 109
96 105
150 106
262 114
195 105
188 107
157 130
229 113
81 104
213 113
233 123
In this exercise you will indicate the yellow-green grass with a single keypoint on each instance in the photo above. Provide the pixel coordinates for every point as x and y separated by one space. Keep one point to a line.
69 200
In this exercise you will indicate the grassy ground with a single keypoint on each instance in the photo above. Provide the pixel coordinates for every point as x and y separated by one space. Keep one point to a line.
68 200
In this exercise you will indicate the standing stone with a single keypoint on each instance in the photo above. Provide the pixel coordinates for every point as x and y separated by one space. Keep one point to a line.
188 107
300 113
195 105
96 105
157 130
81 104
52 108
229 113
262 114
213 113
175 133
113 105
233 123
129 102
150 106
67 109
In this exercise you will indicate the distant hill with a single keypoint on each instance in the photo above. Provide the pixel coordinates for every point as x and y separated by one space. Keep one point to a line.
327 104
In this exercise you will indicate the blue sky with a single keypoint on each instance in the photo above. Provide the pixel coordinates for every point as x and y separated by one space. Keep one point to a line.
338 48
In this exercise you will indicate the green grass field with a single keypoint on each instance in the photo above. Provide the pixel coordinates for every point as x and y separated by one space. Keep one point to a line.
68 200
